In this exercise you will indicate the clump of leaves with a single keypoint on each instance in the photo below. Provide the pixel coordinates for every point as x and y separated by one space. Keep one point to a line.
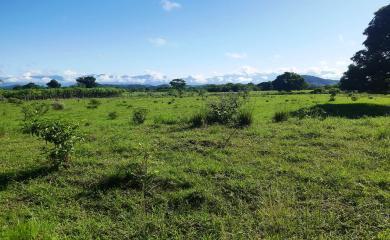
57 106
112 115
93 103
354 98
224 110
63 135
34 111
281 116
139 115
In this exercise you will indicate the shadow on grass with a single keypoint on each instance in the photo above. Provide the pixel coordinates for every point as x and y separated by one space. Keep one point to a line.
351 111
24 175
134 177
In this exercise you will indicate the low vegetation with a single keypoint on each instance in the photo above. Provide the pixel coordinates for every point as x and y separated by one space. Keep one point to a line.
323 173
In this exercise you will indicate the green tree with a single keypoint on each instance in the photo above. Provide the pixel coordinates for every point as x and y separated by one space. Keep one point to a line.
265 86
87 81
179 85
289 81
370 70
53 84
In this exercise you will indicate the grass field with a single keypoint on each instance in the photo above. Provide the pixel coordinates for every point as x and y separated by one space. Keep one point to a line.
309 178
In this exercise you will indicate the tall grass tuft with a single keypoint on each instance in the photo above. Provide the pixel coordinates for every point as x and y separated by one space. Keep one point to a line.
280 116
244 118
198 119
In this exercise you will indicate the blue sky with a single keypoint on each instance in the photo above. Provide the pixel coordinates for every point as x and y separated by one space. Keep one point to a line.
174 38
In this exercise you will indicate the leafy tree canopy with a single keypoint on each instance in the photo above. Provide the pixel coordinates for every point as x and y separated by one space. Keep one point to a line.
30 85
370 70
53 84
178 84
87 81
289 81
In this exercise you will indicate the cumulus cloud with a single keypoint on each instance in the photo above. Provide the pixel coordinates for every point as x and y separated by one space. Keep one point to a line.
170 5
158 42
236 55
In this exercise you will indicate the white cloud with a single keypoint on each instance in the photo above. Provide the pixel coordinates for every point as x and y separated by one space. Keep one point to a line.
169 5
248 70
158 42
236 55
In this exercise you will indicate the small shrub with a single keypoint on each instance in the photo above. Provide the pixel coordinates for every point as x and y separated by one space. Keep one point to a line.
57 106
223 111
139 115
62 135
93 103
34 111
244 118
354 98
280 116
333 94
112 115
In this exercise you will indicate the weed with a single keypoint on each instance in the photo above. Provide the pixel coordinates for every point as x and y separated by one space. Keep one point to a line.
139 115
112 115
57 106
93 103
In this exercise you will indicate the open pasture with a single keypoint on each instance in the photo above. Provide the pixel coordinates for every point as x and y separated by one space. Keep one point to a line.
306 177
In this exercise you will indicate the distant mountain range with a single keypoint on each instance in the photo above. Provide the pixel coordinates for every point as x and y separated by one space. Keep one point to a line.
319 82
151 80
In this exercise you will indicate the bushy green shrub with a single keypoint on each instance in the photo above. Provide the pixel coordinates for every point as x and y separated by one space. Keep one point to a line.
93 103
354 98
57 106
63 135
112 115
280 116
224 110
34 110
139 115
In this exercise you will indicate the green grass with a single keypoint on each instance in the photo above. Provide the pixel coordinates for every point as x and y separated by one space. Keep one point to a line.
304 178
